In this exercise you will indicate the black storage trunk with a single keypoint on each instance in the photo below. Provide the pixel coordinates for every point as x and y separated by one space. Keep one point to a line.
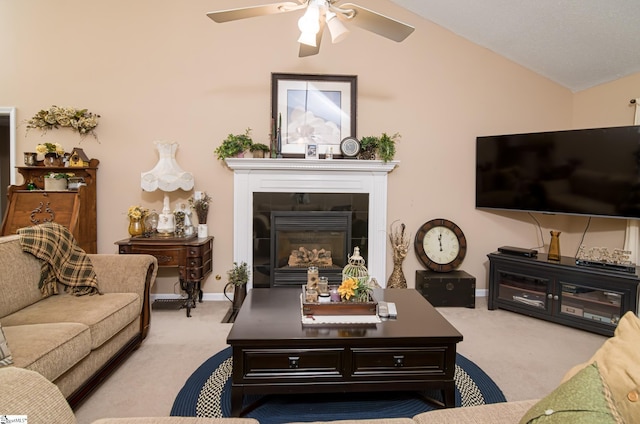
455 288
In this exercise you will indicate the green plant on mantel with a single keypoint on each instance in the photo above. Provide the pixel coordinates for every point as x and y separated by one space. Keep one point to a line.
234 145
259 147
239 274
382 147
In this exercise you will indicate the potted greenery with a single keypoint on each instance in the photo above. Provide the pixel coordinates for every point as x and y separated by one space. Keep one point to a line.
234 145
259 150
238 278
55 181
383 147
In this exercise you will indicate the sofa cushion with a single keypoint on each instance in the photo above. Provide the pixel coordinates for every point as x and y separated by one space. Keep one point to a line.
19 277
105 315
493 413
619 363
49 349
583 399
5 353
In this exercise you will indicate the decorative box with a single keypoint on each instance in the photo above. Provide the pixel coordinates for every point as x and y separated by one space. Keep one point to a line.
455 288
338 308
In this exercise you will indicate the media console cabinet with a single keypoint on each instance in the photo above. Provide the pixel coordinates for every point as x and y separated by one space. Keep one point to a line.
588 298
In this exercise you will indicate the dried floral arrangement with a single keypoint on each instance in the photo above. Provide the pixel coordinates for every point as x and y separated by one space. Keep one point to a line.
80 120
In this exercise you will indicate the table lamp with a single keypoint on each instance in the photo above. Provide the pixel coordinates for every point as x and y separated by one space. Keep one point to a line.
167 176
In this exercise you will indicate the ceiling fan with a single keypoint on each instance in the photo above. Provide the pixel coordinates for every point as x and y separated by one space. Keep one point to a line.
318 14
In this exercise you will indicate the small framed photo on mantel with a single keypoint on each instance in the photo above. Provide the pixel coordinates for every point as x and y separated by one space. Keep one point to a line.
311 151
315 110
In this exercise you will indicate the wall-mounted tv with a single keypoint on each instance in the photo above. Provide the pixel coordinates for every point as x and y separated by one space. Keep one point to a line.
593 172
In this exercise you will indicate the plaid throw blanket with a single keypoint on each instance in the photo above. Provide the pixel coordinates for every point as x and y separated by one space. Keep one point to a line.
64 260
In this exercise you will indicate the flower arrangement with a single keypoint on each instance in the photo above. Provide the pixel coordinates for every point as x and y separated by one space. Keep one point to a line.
137 212
46 148
355 289
80 120
200 203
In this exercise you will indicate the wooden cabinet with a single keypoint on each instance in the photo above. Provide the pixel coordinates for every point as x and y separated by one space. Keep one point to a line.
455 288
192 256
75 209
592 299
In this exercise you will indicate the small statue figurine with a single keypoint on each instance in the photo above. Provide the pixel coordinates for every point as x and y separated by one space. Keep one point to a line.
400 244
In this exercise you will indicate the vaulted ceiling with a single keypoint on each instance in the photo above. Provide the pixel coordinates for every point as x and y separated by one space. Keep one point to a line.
576 43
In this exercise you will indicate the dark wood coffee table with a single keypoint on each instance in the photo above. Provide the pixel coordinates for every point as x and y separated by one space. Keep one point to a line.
273 353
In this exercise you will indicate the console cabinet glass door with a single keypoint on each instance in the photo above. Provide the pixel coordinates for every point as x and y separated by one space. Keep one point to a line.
584 302
524 290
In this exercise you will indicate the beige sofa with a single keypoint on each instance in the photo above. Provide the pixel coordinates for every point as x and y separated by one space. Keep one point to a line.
73 341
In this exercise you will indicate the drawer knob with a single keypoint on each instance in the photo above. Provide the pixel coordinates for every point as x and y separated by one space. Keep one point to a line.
398 361
294 362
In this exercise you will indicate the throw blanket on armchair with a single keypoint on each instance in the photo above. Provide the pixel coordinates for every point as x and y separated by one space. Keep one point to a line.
64 260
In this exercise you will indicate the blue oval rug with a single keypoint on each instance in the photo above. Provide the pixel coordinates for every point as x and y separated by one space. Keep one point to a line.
207 393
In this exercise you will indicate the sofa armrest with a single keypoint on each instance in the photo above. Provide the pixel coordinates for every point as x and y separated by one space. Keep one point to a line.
25 392
128 274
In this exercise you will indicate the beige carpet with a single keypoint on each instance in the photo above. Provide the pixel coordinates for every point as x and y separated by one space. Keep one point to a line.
525 356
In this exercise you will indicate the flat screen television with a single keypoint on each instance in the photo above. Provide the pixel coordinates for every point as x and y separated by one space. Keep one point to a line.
593 172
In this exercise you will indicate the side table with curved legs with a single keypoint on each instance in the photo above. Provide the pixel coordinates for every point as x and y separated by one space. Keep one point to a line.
192 256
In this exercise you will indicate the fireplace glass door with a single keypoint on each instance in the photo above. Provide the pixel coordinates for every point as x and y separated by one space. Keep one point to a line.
301 239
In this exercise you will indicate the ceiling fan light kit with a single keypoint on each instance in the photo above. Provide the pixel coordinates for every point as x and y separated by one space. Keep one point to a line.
321 13
337 30
309 25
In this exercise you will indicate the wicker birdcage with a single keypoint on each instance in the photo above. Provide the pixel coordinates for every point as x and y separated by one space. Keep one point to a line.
355 268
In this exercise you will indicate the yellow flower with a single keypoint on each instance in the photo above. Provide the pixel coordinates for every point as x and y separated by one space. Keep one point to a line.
348 288
136 212
50 148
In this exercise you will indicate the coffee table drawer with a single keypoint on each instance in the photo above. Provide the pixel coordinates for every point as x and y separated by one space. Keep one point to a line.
406 361
292 363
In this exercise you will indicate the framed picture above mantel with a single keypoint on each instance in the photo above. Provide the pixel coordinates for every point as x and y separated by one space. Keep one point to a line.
313 109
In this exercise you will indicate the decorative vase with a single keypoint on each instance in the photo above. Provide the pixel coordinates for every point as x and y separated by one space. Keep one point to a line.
136 227
203 231
239 293
554 246
52 159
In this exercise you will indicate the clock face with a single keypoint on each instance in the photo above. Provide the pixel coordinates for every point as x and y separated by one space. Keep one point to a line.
350 147
440 245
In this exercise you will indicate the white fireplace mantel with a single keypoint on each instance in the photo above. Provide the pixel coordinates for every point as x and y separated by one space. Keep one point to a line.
311 176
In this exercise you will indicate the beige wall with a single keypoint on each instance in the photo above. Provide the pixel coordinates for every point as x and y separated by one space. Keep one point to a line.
162 70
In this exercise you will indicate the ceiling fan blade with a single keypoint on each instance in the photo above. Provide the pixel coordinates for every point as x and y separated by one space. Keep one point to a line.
307 50
380 24
253 11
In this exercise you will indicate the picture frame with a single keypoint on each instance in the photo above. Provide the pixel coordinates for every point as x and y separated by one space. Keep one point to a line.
311 151
312 109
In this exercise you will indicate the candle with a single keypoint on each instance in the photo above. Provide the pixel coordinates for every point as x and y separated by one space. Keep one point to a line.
334 294
312 277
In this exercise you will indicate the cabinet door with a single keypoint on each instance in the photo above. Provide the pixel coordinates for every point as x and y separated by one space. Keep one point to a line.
603 306
526 291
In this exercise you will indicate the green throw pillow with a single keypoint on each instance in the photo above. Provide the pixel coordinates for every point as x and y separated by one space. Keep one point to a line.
584 399
5 353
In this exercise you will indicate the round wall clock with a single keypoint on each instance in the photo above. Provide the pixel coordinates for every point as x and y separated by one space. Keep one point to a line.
350 147
440 245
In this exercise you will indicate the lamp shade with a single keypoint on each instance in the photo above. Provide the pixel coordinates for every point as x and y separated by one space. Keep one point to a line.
167 175
336 28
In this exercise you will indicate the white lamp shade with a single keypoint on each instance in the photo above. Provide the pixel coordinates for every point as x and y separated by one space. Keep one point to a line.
336 28
308 38
167 175
309 25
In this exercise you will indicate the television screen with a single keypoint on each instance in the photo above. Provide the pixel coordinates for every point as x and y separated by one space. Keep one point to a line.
592 172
